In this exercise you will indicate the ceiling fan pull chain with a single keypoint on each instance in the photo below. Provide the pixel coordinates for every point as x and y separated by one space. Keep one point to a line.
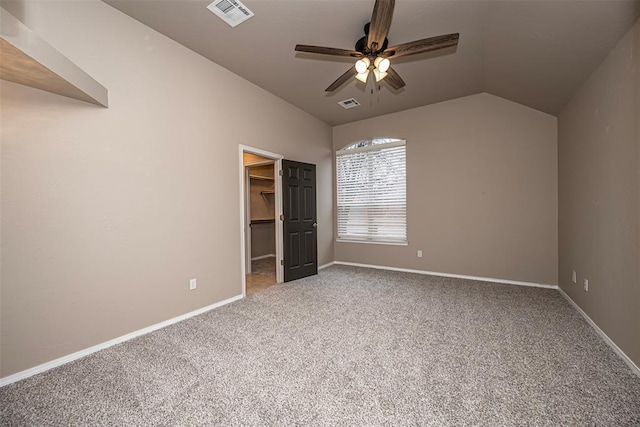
371 97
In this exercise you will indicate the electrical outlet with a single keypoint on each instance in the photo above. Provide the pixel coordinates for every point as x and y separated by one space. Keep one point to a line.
586 285
193 284
419 253
573 277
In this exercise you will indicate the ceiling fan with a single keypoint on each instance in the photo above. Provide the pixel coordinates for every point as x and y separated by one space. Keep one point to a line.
373 53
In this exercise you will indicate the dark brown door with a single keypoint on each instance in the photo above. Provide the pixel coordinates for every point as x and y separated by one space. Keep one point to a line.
300 220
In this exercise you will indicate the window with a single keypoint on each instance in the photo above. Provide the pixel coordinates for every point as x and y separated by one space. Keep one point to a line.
372 191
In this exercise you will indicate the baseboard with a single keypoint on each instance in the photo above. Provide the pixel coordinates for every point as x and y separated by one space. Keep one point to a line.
329 264
82 353
263 257
456 276
605 337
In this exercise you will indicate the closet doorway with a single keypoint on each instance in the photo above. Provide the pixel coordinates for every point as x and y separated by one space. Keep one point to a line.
262 231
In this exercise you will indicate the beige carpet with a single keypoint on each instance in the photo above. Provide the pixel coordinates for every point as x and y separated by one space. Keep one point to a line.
350 346
264 267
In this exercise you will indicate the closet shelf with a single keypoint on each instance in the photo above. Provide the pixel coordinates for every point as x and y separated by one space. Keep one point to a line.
262 221
262 178
268 192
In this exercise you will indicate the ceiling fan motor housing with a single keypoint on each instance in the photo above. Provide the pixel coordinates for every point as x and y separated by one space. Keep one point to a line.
361 45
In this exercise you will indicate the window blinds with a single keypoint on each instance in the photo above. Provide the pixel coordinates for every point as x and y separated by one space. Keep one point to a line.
372 193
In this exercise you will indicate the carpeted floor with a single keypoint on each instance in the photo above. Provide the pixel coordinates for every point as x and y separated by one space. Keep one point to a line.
350 346
264 267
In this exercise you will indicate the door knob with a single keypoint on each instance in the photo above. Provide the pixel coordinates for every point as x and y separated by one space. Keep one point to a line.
315 225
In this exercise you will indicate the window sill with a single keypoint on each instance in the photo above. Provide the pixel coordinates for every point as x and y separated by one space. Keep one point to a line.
372 242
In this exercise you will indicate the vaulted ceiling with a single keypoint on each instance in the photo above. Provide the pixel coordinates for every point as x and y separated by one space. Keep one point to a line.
537 53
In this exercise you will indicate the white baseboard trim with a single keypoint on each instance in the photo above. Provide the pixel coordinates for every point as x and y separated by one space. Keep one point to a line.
87 351
82 353
263 257
457 276
605 337
329 264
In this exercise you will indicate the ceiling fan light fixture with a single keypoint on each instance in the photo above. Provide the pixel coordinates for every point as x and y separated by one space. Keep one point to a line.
379 75
363 76
382 64
362 65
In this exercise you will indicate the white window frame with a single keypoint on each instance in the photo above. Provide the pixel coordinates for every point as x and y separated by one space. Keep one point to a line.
372 145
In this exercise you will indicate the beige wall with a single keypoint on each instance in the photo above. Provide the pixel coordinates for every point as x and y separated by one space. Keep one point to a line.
481 189
107 213
263 239
262 207
599 195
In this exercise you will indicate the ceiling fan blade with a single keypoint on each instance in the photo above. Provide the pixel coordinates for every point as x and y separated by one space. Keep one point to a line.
422 46
351 72
394 79
380 24
327 51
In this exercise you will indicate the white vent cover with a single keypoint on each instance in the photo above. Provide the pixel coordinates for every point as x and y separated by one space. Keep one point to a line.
232 12
349 103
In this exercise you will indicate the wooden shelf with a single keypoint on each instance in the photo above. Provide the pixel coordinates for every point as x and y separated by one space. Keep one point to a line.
262 178
267 192
28 60
262 221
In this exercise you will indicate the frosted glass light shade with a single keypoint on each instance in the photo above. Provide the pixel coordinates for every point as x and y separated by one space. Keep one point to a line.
362 65
379 75
382 64
363 76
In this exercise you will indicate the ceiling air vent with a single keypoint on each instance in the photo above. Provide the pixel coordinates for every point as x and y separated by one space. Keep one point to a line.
232 12
349 103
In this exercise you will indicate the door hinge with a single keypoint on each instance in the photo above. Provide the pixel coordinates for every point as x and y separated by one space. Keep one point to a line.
281 262
281 172
281 217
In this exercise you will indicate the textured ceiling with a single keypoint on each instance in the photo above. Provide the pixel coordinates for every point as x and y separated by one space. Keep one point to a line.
537 53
